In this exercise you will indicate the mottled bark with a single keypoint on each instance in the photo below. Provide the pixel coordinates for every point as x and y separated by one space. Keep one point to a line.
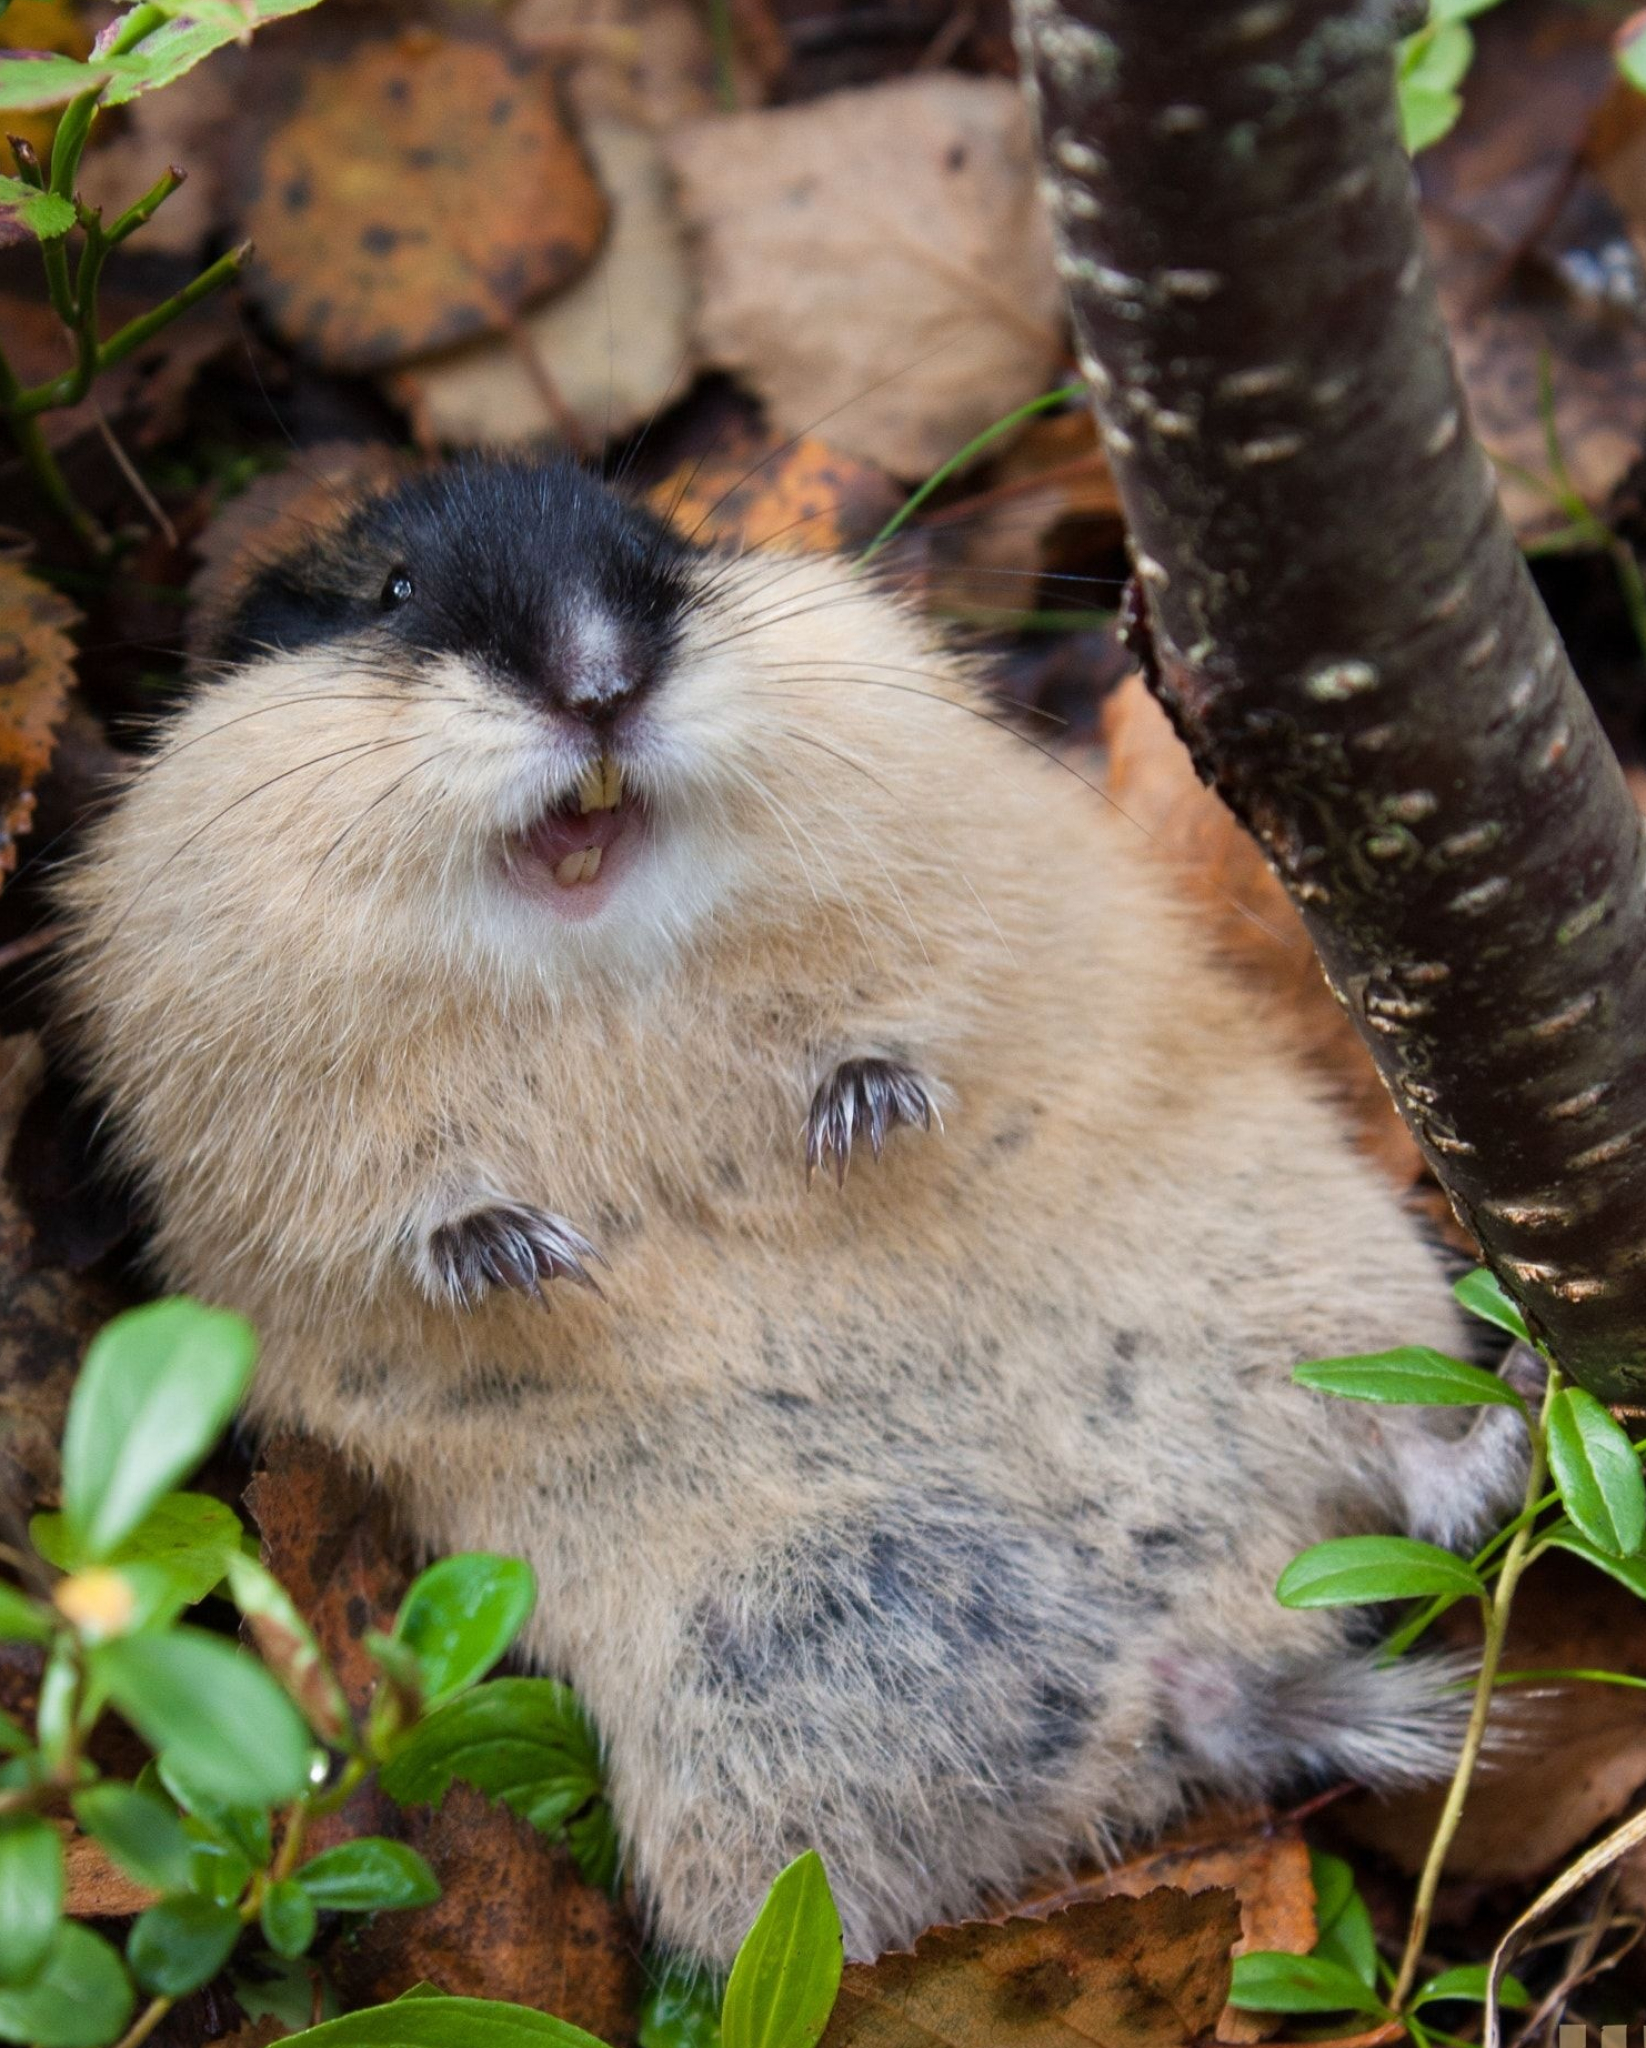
1346 636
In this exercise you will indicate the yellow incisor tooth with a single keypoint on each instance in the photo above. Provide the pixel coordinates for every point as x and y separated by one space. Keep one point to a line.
591 789
613 782
581 866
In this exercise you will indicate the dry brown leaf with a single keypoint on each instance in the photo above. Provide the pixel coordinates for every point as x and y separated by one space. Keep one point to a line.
514 1921
1569 1757
1151 1972
1244 910
754 490
46 1318
608 352
878 259
1267 1869
36 675
423 189
95 1887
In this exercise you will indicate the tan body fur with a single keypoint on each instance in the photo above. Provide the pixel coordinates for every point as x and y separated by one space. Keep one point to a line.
932 1521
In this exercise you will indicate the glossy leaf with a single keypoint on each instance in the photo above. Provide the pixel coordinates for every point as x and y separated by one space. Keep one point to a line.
82 1999
1597 1472
179 44
525 1741
243 1828
786 1976
445 2023
288 1917
1481 1293
141 1833
1269 1981
156 1392
287 1646
212 1711
22 1620
1413 1376
367 1876
1354 1570
180 1944
1468 1982
1343 1922
461 1615
191 1534
31 1896
31 79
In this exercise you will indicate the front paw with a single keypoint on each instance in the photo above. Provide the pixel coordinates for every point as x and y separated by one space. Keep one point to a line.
863 1098
505 1244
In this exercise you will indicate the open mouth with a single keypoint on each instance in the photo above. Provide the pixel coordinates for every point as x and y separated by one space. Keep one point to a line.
573 855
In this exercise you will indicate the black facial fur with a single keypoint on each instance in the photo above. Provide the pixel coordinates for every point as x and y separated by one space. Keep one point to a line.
522 568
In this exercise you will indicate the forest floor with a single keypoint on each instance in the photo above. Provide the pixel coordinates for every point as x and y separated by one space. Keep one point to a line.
777 263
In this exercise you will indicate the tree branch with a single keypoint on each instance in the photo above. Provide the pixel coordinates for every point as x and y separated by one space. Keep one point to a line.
1346 635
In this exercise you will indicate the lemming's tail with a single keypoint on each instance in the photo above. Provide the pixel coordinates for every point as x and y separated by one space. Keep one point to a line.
1343 1714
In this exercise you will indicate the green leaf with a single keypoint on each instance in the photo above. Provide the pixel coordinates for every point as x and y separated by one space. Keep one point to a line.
681 2009
1343 1922
1628 1571
212 1711
1437 58
784 1982
1481 1293
190 1534
288 1917
1269 1981
1631 60
21 1619
30 79
82 1999
181 1944
1459 10
445 2023
525 1741
167 52
367 1876
31 1896
242 1828
288 1647
12 1738
595 1849
1354 1570
1426 116
1469 1982
461 1615
275 1988
25 211
156 1392
140 1832
1413 1376
1597 1472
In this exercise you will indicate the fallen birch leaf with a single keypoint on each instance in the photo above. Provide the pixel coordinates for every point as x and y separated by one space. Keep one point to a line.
608 352
1151 1972
423 189
753 489
36 675
95 1887
878 260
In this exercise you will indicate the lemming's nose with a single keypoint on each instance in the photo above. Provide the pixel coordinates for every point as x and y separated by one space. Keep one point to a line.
598 676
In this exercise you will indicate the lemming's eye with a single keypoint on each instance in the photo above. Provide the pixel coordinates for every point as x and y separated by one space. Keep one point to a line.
397 591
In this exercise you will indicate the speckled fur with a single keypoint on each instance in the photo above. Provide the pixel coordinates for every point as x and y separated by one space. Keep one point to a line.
932 1520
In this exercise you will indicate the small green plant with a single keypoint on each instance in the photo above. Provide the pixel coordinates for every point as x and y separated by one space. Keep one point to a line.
145 47
249 1752
1595 1509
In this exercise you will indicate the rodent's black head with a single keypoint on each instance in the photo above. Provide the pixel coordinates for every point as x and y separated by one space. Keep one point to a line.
537 574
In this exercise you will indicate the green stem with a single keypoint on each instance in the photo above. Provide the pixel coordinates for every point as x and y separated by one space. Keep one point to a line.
912 504
146 2022
1552 1675
42 465
145 208
67 389
1496 1617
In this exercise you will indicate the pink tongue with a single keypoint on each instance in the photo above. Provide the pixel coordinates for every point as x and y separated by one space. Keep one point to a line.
564 832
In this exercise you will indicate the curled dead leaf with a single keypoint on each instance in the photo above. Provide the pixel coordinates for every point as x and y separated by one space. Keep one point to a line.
422 190
36 675
1152 1972
753 489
